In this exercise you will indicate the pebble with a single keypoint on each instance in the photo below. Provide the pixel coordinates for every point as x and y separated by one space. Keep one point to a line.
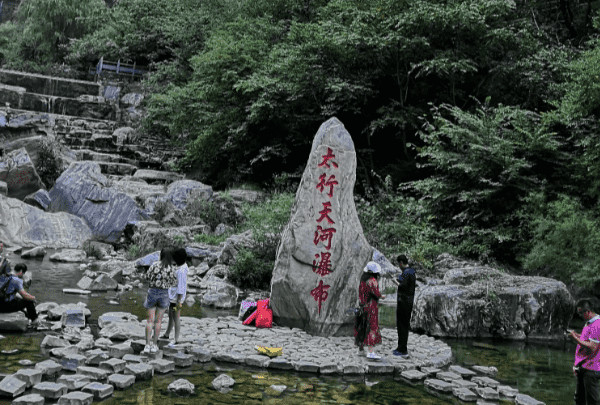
13 351
25 362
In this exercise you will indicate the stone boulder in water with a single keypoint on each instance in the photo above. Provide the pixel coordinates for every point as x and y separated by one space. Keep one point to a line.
83 191
323 249
18 172
27 226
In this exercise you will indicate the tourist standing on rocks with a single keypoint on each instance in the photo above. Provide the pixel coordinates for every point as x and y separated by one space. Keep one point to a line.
405 298
587 356
177 295
13 304
161 276
369 295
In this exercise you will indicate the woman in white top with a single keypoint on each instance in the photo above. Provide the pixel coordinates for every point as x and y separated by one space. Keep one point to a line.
177 295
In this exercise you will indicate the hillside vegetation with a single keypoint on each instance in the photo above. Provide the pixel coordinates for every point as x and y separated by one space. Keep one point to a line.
489 108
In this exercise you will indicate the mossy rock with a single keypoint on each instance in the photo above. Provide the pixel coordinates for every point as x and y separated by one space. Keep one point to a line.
272 393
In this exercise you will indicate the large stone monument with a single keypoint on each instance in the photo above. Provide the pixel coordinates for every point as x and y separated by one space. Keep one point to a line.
323 250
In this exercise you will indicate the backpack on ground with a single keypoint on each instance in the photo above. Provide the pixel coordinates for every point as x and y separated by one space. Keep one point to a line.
4 288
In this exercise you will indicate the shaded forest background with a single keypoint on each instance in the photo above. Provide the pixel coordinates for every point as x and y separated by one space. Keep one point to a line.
475 121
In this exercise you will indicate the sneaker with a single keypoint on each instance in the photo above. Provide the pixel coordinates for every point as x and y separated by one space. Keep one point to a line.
147 348
373 356
360 351
172 343
153 349
398 353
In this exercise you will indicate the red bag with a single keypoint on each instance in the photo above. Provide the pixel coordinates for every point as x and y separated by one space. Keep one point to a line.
252 317
264 318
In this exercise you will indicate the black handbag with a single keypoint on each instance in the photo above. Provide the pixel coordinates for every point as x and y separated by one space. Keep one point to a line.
362 325
248 312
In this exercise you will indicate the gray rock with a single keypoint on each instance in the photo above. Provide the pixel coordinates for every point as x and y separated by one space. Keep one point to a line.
162 366
132 358
463 384
40 199
14 321
54 341
74 381
221 295
413 375
113 365
181 387
182 359
69 256
73 318
123 331
280 363
246 196
222 382
486 370
120 350
487 393
72 361
506 391
463 372
430 371
448 376
141 371
48 367
95 357
103 343
200 354
76 398
35 252
57 312
438 385
29 375
45 306
83 191
3 188
75 291
485 382
18 172
522 399
31 399
307 366
303 292
113 317
12 386
179 190
380 367
229 356
464 394
99 390
121 381
257 360
94 373
49 390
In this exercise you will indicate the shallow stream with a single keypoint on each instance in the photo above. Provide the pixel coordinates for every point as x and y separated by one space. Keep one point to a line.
540 370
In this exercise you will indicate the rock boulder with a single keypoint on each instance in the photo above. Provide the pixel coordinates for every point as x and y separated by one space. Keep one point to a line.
15 321
18 172
323 249
83 191
40 199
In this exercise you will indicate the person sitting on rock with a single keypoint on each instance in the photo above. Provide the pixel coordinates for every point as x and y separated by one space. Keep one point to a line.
177 295
11 303
369 295
161 276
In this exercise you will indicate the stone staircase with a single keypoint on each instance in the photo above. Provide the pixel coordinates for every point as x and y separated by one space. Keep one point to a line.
77 114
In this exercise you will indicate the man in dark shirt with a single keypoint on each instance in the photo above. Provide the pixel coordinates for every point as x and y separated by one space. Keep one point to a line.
406 295
13 304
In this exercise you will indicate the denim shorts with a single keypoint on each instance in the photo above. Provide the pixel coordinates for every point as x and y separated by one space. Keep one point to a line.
157 297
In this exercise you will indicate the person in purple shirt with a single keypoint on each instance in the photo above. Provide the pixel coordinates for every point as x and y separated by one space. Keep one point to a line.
406 296
15 285
587 357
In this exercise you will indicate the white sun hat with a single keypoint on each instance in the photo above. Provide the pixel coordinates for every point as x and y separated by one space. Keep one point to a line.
372 267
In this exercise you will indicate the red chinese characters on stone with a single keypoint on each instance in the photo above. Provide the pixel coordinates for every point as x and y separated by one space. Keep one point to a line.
322 267
329 183
324 235
327 158
325 213
320 293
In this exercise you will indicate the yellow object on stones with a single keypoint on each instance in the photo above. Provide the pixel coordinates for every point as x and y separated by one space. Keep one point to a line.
269 351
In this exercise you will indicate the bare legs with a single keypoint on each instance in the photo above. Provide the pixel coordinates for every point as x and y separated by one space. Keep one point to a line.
174 321
155 316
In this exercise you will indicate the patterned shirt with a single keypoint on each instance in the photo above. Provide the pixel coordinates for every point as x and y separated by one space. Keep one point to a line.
161 277
181 286
591 332
15 285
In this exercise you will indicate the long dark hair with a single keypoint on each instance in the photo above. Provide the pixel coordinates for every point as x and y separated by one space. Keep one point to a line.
166 257
367 275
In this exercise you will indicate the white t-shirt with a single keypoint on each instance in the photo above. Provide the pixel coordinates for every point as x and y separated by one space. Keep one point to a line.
181 286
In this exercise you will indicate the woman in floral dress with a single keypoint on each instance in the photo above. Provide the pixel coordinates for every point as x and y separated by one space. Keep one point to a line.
161 276
369 295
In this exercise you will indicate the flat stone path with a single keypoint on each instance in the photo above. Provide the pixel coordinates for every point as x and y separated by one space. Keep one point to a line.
225 339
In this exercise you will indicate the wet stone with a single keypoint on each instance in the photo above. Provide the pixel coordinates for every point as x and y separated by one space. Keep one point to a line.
31 399
74 381
280 364
486 370
113 365
95 357
94 373
506 391
132 358
120 350
447 376
349 367
54 341
163 366
200 354
50 390
181 387
380 367
463 372
72 361
257 360
30 376
121 381
181 359
485 382
48 367
12 386
522 399
76 398
25 362
464 394
99 390
309 367
438 385
61 352
229 356
330 367
487 393
141 371
413 375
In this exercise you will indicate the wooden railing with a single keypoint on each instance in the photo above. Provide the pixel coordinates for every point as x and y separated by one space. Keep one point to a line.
121 69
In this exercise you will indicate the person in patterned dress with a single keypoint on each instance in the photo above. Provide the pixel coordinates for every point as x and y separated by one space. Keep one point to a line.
369 295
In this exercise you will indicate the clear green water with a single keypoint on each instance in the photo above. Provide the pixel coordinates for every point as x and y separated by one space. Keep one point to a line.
540 370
